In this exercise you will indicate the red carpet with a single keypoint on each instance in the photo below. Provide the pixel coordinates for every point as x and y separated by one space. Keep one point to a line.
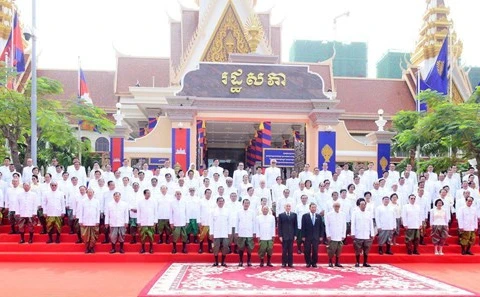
68 251
379 280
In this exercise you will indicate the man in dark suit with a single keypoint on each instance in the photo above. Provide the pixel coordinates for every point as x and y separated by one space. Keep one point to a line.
312 230
287 227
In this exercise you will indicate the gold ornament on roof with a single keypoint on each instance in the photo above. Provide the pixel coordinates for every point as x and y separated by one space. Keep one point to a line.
327 152
254 31
6 18
227 38
383 163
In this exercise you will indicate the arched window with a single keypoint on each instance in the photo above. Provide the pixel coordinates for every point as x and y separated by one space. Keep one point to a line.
102 145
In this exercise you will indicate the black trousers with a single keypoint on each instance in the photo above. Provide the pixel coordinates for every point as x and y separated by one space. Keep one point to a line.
311 251
287 252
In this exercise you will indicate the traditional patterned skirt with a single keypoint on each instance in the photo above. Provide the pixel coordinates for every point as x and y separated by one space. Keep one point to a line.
192 227
164 225
266 247
467 238
204 233
334 248
385 236
245 242
117 234
22 222
179 232
54 222
412 235
439 234
220 242
90 235
362 245
146 231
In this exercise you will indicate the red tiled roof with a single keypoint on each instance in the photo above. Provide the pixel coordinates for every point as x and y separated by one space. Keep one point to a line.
366 96
100 85
141 69
324 71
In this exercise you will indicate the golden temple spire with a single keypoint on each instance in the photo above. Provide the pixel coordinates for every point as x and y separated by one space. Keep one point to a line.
6 17
436 26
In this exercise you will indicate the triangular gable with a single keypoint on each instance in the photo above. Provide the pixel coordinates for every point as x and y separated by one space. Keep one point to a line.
228 37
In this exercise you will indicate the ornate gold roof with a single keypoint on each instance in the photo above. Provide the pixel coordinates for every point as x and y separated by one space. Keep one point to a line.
6 15
228 37
436 26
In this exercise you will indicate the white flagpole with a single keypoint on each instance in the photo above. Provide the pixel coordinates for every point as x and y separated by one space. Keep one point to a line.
78 123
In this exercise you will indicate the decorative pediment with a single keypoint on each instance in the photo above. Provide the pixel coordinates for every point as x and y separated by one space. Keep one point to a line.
228 37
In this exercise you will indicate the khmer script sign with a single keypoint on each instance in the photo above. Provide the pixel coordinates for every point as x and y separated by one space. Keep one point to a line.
227 80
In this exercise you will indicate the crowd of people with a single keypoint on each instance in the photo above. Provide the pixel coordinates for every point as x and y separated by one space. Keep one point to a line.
226 214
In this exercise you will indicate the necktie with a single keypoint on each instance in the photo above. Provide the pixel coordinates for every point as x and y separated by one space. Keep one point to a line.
288 214
313 219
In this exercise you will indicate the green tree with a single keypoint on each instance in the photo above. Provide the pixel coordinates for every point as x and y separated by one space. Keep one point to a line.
446 125
56 122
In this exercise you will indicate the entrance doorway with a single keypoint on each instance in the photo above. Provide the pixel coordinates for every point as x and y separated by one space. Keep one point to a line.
228 141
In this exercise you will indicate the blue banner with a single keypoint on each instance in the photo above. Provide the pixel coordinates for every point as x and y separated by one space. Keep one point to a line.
383 158
327 146
284 157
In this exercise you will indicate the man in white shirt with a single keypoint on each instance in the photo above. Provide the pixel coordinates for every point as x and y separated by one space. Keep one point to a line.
245 232
26 211
207 205
78 171
335 229
393 175
257 177
27 171
386 224
306 174
178 221
347 175
467 226
5 170
266 232
292 182
369 177
362 232
301 209
126 169
146 219
412 175
116 218
412 220
89 220
219 231
215 168
238 175
164 201
11 196
325 173
166 169
193 214
54 211
272 172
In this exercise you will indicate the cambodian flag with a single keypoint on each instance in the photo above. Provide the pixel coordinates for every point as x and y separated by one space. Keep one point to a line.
14 50
83 92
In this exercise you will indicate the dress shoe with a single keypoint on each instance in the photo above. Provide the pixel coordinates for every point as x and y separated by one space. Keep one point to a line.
366 265
330 264
290 265
283 265
314 265
308 265
357 265
339 265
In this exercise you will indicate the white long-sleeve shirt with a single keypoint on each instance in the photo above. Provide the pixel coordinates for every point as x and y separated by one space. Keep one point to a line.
438 217
116 214
206 210
11 197
271 174
300 210
265 227
54 203
147 212
336 225
26 204
412 216
164 206
245 224
193 207
362 224
385 217
219 223
89 212
467 218
178 213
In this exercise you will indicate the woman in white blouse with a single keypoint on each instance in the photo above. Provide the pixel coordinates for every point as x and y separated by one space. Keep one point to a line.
439 223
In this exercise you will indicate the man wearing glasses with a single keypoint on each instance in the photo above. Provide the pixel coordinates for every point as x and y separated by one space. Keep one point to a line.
412 218
54 211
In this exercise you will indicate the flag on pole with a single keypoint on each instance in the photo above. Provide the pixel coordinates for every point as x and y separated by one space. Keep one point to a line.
437 78
14 48
83 92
